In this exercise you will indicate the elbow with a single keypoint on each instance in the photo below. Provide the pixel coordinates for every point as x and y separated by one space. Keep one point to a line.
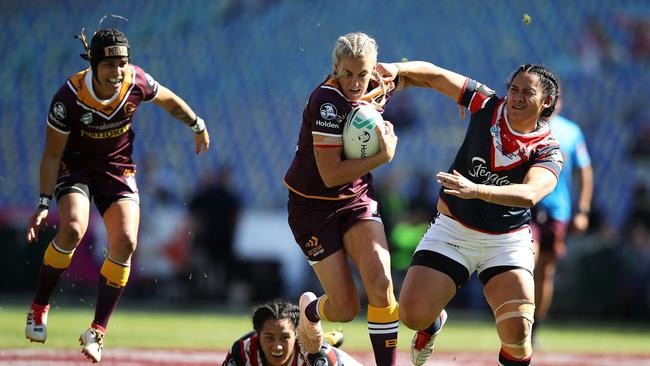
52 157
530 203
329 182
333 180
530 200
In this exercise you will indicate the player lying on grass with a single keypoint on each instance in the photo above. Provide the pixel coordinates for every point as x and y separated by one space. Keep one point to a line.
274 341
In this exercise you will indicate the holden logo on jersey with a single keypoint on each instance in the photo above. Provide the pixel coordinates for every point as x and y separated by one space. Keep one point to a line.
58 111
320 362
328 111
87 118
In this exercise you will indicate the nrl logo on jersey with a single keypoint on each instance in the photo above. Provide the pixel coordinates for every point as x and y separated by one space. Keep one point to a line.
87 118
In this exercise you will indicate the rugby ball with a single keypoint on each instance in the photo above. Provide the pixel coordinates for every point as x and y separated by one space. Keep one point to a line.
360 138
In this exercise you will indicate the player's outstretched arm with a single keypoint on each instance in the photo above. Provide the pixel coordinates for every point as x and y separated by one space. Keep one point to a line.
178 108
425 75
55 142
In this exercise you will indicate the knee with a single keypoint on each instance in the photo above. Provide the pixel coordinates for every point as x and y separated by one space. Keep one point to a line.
514 330
70 234
515 336
414 319
514 321
124 245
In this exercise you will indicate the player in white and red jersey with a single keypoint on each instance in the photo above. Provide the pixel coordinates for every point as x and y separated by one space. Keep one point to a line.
274 342
87 157
507 163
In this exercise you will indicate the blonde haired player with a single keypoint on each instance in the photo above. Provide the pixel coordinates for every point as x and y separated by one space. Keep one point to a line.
333 211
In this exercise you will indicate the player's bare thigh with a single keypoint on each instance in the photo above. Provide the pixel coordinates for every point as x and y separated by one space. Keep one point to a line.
74 210
122 219
365 243
514 284
425 292
336 279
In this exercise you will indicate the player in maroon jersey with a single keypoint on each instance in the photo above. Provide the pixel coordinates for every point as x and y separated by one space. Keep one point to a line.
332 208
87 156
507 163
333 211
274 342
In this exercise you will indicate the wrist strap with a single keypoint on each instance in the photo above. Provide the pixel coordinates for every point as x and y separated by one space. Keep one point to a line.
44 200
199 125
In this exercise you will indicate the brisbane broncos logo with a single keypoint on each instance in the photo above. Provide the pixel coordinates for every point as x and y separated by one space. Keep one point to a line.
129 109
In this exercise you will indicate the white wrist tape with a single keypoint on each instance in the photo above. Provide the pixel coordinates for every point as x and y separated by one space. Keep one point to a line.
199 125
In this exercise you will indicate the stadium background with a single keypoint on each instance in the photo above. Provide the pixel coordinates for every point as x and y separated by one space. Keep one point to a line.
247 68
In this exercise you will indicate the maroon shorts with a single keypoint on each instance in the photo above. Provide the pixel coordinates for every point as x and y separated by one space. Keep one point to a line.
104 183
549 234
318 226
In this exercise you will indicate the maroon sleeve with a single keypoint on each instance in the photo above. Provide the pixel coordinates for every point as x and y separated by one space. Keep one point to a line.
58 116
326 112
146 83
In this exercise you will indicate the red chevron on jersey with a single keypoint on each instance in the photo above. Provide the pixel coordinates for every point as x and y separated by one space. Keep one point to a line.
509 147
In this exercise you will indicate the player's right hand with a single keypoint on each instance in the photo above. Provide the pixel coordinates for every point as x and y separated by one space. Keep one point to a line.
388 72
202 141
387 141
38 219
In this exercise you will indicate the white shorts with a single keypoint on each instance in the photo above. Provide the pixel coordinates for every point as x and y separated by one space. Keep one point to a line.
477 251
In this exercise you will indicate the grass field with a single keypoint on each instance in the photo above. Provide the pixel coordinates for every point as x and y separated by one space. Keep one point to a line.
144 328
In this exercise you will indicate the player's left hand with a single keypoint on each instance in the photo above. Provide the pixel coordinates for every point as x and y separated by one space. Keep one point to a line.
457 185
202 141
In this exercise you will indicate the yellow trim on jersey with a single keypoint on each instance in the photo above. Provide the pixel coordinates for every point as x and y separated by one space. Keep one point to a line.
317 197
86 99
106 134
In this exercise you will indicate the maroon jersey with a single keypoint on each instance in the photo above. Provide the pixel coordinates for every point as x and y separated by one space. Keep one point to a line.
322 121
100 130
